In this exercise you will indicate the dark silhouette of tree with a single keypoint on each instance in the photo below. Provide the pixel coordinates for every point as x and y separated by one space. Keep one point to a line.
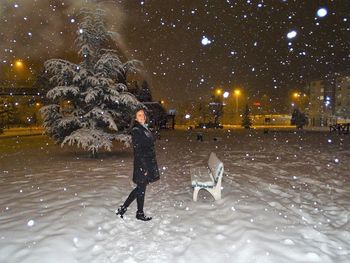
216 107
7 113
298 119
246 119
145 92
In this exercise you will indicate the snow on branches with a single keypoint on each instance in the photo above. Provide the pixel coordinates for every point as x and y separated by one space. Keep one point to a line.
90 103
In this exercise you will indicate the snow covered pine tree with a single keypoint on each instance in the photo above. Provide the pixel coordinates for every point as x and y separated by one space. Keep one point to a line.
90 105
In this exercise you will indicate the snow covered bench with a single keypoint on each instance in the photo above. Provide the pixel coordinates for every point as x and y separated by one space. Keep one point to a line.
209 178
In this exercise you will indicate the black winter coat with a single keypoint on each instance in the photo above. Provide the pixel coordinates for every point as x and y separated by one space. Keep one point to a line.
144 155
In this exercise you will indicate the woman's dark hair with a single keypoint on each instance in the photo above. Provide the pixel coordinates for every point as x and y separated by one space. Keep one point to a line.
133 120
139 108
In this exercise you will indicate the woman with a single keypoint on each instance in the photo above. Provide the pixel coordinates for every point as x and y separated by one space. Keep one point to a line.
145 165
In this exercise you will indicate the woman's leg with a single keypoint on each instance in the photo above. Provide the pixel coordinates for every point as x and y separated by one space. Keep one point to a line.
139 194
141 191
140 201
132 196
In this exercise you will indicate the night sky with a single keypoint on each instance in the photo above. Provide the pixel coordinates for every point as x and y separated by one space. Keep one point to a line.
191 47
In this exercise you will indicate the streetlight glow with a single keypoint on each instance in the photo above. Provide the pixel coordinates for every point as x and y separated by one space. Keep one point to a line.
237 92
218 91
296 95
19 64
226 94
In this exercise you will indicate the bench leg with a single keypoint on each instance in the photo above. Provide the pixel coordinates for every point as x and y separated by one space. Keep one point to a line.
195 193
216 193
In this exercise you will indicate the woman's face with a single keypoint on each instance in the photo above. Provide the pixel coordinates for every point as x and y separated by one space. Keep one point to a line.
140 117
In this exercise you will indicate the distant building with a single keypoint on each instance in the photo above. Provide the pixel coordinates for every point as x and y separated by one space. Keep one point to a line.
342 97
321 102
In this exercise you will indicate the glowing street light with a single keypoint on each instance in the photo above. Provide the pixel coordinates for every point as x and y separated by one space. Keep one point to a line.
237 93
218 92
19 64
299 99
226 94
296 95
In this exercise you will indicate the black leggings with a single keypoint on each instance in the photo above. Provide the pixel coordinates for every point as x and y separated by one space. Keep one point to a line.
139 194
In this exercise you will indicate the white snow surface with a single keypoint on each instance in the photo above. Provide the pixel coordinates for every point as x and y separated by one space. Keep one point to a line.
286 198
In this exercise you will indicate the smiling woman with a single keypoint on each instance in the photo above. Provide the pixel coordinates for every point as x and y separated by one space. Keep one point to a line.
145 165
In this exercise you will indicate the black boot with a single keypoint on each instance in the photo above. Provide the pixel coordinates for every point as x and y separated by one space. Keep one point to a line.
141 216
121 211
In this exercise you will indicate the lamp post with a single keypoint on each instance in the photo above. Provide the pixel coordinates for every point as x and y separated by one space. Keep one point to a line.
296 97
21 73
217 105
237 93
225 118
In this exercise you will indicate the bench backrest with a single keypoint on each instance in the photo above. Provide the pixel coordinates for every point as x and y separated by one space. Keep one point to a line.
216 167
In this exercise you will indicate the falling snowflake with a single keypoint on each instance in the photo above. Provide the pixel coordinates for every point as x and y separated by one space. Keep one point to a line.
292 34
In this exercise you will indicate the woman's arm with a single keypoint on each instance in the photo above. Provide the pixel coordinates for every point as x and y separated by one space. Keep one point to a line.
138 143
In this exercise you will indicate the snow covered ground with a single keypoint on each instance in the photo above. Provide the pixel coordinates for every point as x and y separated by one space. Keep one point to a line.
286 198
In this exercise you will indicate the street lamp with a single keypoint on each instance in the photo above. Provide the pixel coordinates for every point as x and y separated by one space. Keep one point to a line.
19 72
237 93
19 64
296 95
218 92
299 99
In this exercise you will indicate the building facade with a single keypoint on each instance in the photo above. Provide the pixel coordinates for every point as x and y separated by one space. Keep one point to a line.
342 97
321 103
